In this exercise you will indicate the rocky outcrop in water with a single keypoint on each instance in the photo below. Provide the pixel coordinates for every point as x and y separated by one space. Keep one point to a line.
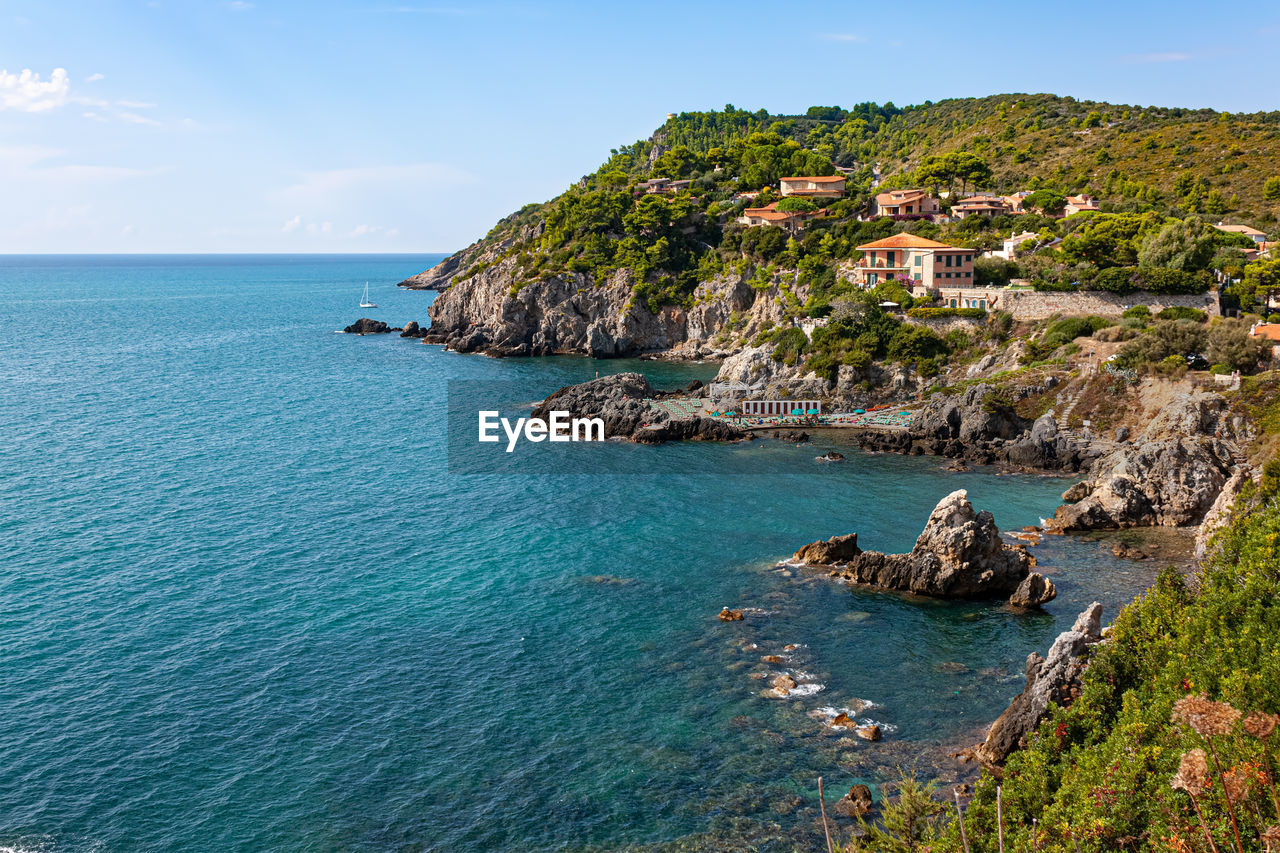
1170 476
959 555
412 330
622 402
689 429
1051 679
365 326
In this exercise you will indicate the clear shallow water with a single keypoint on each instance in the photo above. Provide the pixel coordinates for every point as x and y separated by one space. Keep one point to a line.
245 605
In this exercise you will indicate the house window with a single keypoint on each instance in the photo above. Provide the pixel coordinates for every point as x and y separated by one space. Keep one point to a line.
968 275
888 256
947 260
918 259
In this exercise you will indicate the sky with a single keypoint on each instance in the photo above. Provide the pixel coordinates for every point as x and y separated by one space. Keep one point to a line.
410 125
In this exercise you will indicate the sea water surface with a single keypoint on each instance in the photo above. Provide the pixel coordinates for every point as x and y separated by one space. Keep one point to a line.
245 604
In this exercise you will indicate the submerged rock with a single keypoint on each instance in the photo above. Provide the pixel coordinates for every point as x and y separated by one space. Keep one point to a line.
1055 678
727 615
958 555
871 733
856 803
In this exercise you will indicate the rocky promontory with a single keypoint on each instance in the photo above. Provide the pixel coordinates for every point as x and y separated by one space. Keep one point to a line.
1055 678
487 305
959 555
622 402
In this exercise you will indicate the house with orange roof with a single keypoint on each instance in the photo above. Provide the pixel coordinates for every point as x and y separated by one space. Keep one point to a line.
1080 204
919 264
981 205
1015 201
815 186
1269 332
770 215
910 202
1253 234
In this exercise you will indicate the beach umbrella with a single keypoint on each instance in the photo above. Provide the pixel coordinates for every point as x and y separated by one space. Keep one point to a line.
859 411
813 411
797 411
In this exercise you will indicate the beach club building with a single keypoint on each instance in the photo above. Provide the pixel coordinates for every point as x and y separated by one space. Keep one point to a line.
779 408
917 263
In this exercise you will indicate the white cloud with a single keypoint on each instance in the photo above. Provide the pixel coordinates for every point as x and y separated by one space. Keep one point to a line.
843 37
94 78
134 118
1169 56
322 228
31 163
239 6
292 224
27 93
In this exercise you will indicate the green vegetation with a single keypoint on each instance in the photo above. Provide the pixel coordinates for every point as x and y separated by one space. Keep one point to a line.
1103 770
1067 329
928 311
1156 173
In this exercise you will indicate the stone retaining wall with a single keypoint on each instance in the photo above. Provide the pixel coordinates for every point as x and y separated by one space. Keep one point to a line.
1040 305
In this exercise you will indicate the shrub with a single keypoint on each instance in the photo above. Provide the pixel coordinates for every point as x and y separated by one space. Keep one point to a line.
928 311
1179 312
1229 345
1141 311
1069 328
1165 338
912 343
788 343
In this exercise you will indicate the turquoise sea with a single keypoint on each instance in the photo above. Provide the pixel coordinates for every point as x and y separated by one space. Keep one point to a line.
246 604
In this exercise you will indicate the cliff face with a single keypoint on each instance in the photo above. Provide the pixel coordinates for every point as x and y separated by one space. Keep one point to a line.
1172 475
497 312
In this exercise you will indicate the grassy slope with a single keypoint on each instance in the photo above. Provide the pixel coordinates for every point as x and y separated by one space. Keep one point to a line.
1234 154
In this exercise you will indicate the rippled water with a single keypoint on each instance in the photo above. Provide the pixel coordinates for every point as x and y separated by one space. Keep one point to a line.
245 605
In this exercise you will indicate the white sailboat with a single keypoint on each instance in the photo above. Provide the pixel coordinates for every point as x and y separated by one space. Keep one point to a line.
364 300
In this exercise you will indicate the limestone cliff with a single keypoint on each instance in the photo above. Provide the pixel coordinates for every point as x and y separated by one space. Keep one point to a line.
487 305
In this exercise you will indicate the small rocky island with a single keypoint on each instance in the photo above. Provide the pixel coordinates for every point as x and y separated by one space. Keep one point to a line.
959 555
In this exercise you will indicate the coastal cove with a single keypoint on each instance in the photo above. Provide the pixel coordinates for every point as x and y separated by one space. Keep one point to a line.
252 604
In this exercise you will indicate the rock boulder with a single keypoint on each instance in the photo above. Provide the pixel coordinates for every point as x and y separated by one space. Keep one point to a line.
365 326
958 555
1055 678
